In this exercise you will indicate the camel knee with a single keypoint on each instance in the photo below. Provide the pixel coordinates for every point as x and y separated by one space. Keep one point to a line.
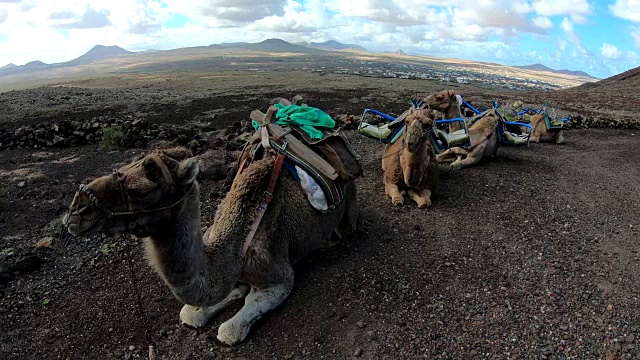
257 303
198 317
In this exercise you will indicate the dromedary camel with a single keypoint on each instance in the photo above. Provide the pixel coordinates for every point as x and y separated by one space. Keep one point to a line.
540 132
483 133
409 164
157 198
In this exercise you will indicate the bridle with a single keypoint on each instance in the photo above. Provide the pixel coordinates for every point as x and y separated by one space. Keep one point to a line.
119 178
423 137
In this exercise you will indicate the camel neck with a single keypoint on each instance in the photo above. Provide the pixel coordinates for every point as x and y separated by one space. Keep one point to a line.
454 111
417 156
198 273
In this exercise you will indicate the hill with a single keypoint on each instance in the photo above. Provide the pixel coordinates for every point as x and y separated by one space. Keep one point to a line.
332 45
99 52
540 67
269 45
9 66
33 65
629 77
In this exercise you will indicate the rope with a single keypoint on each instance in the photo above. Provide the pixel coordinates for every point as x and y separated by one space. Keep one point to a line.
139 306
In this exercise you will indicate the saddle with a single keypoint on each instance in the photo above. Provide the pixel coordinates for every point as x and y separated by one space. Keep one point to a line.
330 161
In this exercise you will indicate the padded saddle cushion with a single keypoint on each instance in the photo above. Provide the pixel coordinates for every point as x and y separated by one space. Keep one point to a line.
455 138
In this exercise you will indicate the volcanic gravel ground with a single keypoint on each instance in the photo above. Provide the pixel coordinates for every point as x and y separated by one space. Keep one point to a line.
532 255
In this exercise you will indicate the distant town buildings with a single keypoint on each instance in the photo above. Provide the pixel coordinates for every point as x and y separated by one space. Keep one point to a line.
445 73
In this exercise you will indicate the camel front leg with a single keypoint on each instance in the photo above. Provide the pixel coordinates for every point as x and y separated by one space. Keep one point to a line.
471 159
421 197
394 191
198 317
446 156
256 304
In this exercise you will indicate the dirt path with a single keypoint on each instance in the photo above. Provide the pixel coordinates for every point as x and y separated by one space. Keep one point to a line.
532 255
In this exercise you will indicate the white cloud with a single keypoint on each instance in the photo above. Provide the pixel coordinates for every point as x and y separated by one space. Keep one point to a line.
635 35
610 51
542 22
567 26
577 10
297 18
626 9
562 44
90 19
227 12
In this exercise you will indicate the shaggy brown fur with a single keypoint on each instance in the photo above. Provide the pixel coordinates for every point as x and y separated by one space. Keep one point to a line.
540 133
409 164
203 272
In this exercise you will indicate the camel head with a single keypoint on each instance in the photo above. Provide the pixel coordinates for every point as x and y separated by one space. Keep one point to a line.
137 198
441 101
418 124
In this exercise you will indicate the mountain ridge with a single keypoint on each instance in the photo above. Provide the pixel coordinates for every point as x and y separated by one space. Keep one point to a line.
540 67
99 52
332 45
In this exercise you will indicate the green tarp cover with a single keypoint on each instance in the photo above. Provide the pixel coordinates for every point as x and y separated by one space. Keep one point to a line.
306 117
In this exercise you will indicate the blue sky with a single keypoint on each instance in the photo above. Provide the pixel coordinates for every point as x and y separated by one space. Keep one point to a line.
599 37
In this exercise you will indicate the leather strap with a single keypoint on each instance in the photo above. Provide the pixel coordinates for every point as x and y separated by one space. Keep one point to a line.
267 196
241 167
163 168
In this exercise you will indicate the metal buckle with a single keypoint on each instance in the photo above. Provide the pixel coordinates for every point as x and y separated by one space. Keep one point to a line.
283 148
267 197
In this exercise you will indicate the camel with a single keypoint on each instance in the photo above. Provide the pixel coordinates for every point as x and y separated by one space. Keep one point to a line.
409 164
540 132
483 133
162 200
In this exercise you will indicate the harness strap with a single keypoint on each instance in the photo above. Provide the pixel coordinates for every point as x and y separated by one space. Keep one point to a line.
163 168
267 196
241 167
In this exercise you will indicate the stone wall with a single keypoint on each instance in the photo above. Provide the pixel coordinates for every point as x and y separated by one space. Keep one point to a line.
135 133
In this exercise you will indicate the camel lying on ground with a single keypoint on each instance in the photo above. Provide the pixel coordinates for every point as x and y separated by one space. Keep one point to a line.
483 133
157 198
540 132
409 164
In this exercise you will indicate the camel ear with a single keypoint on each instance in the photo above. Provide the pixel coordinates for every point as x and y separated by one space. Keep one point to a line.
187 171
452 93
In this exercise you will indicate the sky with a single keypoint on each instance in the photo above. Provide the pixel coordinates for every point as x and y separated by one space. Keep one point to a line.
600 37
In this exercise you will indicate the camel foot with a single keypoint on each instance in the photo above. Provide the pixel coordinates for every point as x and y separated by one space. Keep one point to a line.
456 165
560 139
232 333
397 201
198 317
256 304
424 204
